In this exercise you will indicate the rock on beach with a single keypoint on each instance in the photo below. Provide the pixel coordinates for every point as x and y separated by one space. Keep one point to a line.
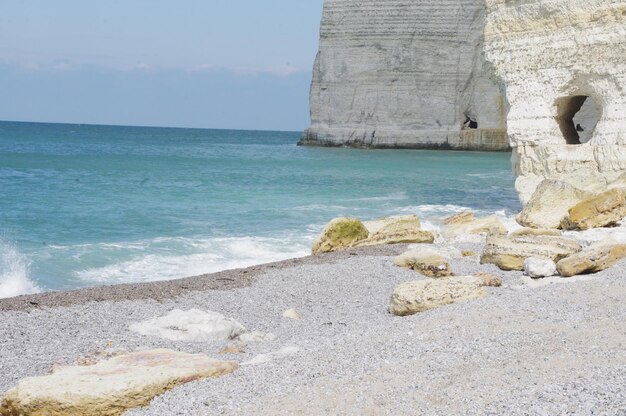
110 387
509 253
412 297
591 260
427 262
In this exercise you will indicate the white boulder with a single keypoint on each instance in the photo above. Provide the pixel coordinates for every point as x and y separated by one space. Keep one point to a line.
191 326
537 268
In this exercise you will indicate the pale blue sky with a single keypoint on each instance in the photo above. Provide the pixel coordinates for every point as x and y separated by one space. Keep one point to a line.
211 63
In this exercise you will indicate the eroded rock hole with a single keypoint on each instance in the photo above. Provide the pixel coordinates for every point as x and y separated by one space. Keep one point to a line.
578 116
470 123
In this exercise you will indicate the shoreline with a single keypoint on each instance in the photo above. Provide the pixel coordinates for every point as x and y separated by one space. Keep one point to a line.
170 289
524 348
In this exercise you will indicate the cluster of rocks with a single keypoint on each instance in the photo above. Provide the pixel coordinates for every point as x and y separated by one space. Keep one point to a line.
549 244
542 249
343 233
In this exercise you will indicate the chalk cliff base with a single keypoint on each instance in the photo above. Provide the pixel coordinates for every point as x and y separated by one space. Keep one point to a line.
397 74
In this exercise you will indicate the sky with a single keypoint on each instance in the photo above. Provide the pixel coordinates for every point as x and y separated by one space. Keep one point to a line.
242 64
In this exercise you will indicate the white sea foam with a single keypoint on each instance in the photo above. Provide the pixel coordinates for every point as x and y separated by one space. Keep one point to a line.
172 258
434 210
14 267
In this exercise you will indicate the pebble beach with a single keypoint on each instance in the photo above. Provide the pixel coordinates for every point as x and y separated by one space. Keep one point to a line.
531 347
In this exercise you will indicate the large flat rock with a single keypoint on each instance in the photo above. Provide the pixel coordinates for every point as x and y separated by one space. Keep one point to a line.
109 387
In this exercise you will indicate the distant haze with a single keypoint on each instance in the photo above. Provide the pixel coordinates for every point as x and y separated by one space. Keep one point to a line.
242 64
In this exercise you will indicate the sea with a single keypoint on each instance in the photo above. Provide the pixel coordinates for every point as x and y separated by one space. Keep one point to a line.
86 205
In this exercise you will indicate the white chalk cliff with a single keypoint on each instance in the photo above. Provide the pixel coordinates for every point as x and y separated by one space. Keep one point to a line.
554 58
461 74
404 74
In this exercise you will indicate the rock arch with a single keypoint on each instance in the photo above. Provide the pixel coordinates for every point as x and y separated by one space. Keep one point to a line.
549 56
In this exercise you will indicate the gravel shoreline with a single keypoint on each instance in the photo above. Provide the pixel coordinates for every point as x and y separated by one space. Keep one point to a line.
526 349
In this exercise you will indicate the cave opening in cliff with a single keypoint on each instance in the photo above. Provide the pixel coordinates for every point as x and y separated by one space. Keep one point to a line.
578 116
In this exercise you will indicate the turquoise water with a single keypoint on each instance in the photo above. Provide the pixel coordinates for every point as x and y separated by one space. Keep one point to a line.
90 205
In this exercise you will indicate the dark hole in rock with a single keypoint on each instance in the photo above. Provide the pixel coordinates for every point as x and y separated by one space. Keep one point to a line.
472 124
577 116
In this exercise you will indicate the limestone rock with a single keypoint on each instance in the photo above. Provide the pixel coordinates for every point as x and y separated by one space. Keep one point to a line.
487 279
404 74
427 262
603 210
509 253
339 234
292 314
403 230
552 58
191 326
620 182
461 217
550 204
110 387
400 221
591 260
534 231
486 225
412 297
538 268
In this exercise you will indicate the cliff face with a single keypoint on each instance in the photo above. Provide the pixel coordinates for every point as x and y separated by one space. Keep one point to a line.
404 74
562 65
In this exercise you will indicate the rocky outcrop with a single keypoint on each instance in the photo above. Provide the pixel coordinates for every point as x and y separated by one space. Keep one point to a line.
343 233
427 262
412 297
460 218
486 225
561 66
400 74
399 231
606 209
111 387
509 253
591 260
340 234
375 226
550 203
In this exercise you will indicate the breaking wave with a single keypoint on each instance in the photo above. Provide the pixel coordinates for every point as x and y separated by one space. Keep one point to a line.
174 258
14 268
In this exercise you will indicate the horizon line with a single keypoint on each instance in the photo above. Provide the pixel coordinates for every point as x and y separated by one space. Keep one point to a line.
147 126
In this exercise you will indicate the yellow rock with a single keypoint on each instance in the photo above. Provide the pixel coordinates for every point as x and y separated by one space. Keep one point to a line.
400 237
535 231
376 225
412 297
401 230
426 262
486 225
339 234
110 387
509 253
550 203
603 210
591 260
460 218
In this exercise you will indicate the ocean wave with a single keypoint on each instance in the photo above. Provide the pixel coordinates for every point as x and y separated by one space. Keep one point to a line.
396 196
174 258
430 210
14 267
